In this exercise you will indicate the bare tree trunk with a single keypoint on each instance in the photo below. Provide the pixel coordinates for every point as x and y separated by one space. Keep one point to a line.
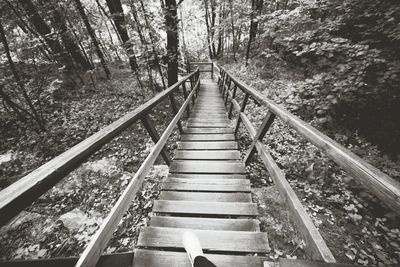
256 6
117 14
69 43
152 40
33 113
233 30
209 32
44 30
93 37
172 40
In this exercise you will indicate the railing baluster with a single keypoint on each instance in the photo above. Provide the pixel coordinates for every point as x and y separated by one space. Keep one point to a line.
185 95
148 124
246 98
175 110
267 121
227 90
233 97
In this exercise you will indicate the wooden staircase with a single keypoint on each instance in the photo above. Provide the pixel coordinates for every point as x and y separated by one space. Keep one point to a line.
206 192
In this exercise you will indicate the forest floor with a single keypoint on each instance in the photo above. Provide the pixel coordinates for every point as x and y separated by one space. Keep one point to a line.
61 222
354 225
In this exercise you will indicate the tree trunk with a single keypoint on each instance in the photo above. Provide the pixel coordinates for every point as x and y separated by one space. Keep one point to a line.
117 14
209 31
256 6
93 37
45 32
152 39
172 40
233 30
33 113
69 43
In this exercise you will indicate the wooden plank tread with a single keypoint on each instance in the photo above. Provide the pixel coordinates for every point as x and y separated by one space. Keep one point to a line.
210 240
207 154
249 225
205 208
207 137
197 166
153 258
205 196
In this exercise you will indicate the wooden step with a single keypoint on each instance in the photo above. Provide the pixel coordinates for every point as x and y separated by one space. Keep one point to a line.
197 166
154 258
210 240
229 145
207 124
205 197
199 181
205 208
249 225
207 176
206 187
207 154
207 137
208 130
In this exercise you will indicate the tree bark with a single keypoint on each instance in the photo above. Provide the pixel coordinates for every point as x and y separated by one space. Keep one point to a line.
33 112
45 32
256 6
152 40
68 41
93 37
172 40
233 30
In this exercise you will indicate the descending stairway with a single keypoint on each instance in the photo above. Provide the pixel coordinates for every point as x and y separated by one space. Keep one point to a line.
206 192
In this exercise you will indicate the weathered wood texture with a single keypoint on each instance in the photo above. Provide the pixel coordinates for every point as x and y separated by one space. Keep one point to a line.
153 258
206 193
100 239
250 225
211 240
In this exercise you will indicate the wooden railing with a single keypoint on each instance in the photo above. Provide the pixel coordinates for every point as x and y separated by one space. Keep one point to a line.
378 183
22 193
202 67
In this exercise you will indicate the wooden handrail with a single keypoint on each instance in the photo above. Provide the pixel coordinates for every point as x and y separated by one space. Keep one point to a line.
100 240
378 183
23 192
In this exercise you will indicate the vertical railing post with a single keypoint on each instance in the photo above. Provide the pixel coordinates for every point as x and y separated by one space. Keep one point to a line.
227 90
233 97
185 95
175 110
212 71
154 136
246 98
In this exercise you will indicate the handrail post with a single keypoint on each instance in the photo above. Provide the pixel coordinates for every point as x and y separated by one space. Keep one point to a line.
175 110
185 95
212 71
148 124
266 124
246 98
233 97
227 90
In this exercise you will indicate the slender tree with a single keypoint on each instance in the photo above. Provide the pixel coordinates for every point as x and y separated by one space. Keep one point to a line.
18 109
171 23
46 33
153 41
68 41
93 37
256 6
